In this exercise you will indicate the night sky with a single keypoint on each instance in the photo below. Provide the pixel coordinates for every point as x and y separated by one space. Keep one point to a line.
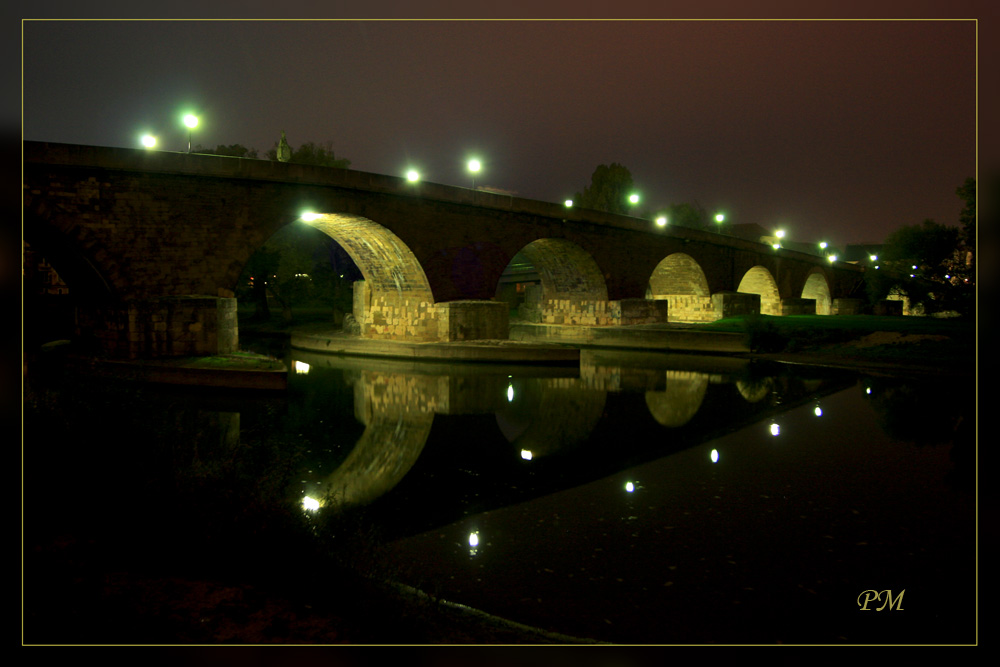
844 130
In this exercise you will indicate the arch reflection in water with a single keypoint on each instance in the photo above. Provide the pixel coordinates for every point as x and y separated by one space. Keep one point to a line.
680 401
546 416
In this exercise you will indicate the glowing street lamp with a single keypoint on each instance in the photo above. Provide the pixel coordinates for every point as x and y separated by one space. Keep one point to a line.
568 203
412 176
822 245
474 167
191 121
831 258
661 221
720 218
780 233
148 140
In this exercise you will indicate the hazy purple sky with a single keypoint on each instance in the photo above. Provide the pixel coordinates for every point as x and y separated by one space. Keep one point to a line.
838 129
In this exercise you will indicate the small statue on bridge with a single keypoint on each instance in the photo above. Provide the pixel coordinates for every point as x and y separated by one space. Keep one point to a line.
284 150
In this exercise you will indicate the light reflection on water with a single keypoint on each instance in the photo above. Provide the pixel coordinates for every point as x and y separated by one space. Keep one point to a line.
640 498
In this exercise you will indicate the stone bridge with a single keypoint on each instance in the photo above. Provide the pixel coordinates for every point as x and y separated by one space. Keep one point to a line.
153 244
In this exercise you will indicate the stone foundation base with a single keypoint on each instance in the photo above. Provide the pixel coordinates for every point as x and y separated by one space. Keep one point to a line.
172 326
847 307
798 306
735 304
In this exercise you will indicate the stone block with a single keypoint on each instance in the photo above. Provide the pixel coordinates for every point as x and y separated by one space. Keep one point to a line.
472 320
847 307
735 304
798 306
889 307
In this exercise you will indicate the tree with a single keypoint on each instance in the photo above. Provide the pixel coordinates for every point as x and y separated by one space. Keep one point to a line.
232 150
921 261
927 245
610 186
967 218
687 215
321 155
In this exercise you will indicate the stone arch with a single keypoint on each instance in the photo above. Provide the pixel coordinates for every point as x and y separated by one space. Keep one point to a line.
395 300
758 280
570 288
74 256
680 280
817 288
899 293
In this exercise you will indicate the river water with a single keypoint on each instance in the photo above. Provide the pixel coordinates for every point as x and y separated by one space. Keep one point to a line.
640 498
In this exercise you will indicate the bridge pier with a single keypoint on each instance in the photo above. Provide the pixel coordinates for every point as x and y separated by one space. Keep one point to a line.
169 326
588 311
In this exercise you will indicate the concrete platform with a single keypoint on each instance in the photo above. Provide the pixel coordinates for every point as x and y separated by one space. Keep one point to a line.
652 337
333 341
241 371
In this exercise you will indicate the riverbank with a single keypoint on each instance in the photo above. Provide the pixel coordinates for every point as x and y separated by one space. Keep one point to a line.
878 344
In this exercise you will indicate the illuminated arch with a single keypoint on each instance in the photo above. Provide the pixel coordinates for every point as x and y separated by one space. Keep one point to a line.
816 287
570 287
566 270
679 280
398 301
758 280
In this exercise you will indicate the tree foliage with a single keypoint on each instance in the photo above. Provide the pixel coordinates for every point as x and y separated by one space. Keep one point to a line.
320 155
232 150
967 218
926 245
610 186
298 266
932 264
687 215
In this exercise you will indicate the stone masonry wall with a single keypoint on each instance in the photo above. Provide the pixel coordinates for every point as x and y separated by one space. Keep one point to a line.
164 327
473 320
798 306
691 308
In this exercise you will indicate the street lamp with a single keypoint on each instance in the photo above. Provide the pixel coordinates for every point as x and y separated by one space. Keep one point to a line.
720 218
474 167
780 233
412 176
822 245
192 122
149 141
633 199
568 203
661 221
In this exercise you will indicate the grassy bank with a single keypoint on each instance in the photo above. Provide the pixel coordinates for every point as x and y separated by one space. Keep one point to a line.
860 339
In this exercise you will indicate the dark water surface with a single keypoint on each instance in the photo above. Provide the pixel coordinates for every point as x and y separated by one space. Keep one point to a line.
638 499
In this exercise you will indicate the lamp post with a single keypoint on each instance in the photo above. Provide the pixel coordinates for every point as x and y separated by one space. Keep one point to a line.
412 176
192 122
633 199
474 167
149 141
719 219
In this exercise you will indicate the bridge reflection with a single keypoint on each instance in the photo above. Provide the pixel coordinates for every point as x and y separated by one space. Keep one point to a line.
443 441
